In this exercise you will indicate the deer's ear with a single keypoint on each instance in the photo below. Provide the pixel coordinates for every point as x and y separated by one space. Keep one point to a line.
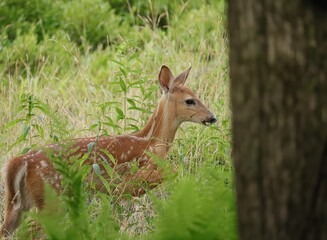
181 78
166 79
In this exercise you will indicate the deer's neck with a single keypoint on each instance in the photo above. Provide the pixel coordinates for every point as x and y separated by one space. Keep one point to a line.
161 128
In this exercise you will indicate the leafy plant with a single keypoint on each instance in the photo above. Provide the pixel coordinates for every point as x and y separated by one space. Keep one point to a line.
31 113
198 209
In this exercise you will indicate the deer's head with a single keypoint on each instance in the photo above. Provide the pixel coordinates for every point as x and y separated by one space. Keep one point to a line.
181 101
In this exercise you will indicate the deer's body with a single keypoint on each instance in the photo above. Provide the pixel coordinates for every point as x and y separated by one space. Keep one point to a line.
26 175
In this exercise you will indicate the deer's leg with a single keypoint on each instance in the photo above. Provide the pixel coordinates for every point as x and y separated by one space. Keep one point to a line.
11 220
14 197
24 189
147 177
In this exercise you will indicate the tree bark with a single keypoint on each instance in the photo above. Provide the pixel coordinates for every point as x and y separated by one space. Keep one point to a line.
278 68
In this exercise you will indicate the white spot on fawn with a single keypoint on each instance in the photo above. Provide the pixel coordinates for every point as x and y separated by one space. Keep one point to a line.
44 164
41 175
145 158
134 138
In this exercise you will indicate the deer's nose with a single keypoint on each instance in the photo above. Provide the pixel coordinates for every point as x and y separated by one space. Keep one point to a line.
213 119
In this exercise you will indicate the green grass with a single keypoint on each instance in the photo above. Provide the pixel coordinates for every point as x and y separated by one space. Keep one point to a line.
73 70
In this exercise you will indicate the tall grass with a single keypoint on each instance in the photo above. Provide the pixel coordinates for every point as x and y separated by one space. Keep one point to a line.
87 68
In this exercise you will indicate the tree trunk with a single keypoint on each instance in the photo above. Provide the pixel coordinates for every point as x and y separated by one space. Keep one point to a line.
278 67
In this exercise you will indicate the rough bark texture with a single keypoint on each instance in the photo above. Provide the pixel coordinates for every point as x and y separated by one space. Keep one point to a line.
278 67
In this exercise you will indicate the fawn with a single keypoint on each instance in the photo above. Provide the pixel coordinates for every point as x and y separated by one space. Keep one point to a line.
26 175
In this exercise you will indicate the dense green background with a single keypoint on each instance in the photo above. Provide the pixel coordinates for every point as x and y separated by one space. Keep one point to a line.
89 67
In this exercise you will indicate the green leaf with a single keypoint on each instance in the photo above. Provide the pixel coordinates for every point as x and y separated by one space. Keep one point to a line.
122 85
13 122
119 63
131 101
134 127
109 155
134 55
25 150
137 109
45 109
139 82
120 113
39 129
96 168
93 126
90 146
123 71
25 132
105 183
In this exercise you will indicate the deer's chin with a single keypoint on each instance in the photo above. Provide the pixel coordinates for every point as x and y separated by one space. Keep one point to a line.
202 122
206 123
210 121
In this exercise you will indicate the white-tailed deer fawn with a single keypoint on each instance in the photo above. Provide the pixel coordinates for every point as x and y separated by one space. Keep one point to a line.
26 175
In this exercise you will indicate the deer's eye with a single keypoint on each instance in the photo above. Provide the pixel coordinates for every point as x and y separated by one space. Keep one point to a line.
190 102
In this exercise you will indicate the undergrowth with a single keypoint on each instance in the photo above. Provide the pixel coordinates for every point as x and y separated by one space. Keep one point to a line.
89 68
